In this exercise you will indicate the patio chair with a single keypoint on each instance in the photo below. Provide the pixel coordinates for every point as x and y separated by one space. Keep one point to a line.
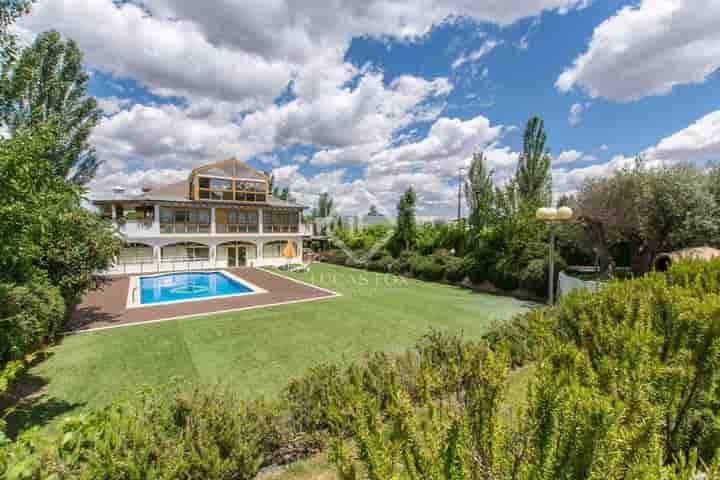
304 268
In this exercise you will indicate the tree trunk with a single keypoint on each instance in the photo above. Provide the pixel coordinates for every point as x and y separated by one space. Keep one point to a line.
641 257
596 233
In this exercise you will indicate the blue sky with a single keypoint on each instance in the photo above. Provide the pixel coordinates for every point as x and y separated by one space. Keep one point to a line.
363 100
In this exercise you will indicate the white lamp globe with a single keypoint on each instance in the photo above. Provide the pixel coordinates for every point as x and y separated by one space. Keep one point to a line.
546 214
564 213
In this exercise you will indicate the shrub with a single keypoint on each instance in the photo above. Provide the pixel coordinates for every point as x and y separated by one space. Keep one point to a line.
336 257
30 315
382 264
175 433
456 269
403 263
428 267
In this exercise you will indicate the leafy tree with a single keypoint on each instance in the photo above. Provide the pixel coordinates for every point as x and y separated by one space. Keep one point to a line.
48 84
479 191
10 10
43 225
405 231
533 175
373 212
650 209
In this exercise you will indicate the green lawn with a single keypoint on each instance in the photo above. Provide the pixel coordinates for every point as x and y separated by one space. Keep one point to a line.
258 350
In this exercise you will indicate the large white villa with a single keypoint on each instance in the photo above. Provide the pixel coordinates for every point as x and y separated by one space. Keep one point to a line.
223 216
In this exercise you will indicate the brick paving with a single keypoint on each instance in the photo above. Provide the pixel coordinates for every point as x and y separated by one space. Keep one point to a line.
106 306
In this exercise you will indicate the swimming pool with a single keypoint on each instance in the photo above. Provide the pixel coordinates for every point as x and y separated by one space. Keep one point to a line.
186 286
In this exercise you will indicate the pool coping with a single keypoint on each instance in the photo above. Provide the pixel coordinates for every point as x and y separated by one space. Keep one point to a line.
134 281
307 297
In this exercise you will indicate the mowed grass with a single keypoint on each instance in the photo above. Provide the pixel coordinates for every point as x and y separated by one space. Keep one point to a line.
258 351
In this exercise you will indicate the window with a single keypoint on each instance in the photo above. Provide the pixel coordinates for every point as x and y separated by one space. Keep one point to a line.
278 221
184 220
249 191
275 249
237 221
215 188
184 252
136 253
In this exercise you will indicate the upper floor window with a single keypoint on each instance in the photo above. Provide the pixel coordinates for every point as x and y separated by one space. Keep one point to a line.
215 188
280 221
236 221
210 188
184 220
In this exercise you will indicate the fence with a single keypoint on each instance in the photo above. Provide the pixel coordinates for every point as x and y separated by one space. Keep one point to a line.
567 284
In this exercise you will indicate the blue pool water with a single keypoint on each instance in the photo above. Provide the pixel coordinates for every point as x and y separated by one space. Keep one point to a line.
187 286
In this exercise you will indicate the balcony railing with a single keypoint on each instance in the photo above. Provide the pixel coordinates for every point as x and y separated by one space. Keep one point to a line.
235 228
280 228
184 228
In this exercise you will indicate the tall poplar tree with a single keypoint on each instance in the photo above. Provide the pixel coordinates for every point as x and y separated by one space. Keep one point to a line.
479 190
47 84
533 176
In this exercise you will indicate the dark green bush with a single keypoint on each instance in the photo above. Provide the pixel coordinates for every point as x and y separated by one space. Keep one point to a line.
456 269
30 315
175 433
382 264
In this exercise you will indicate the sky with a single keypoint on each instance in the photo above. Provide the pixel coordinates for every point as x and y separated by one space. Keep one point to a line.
363 99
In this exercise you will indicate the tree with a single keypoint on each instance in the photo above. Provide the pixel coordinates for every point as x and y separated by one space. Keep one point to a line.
651 210
533 175
373 212
405 231
10 10
48 84
479 191
325 206
45 229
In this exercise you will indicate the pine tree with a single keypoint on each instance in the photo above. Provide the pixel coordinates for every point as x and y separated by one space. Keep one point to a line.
533 176
47 84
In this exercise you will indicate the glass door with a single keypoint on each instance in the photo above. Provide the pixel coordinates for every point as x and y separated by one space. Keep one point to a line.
232 256
241 257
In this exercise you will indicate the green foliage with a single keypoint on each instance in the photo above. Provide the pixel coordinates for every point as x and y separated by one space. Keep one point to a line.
479 191
404 237
649 211
30 314
47 84
42 223
10 10
180 433
533 177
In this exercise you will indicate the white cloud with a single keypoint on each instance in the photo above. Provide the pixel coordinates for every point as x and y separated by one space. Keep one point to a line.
697 143
568 156
648 49
576 111
475 55
604 147
112 105
169 57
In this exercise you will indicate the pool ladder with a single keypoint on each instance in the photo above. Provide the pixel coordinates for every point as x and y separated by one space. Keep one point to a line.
134 295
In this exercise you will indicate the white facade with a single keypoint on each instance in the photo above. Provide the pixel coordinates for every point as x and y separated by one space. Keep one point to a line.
149 250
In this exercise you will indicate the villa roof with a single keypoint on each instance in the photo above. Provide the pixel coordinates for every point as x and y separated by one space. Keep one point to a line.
179 192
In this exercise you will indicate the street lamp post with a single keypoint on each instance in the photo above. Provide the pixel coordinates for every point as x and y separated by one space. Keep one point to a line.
552 216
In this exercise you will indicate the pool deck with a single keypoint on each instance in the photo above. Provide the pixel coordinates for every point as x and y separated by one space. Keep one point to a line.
106 307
